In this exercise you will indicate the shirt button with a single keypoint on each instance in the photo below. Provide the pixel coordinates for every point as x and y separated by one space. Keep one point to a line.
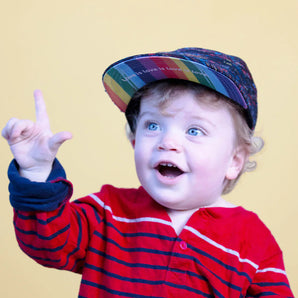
183 245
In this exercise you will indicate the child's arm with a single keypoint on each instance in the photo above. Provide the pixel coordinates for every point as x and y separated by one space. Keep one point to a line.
270 278
33 145
47 228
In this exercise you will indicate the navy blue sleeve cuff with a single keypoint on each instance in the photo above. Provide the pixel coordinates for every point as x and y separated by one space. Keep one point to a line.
26 195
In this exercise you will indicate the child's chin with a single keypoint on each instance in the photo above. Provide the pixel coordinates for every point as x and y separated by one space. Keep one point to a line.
169 201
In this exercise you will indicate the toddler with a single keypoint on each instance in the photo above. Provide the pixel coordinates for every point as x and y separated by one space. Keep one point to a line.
191 116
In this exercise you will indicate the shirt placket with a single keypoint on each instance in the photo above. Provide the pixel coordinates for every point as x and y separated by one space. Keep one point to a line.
177 267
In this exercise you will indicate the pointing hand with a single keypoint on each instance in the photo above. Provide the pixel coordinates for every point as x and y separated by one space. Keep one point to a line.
33 144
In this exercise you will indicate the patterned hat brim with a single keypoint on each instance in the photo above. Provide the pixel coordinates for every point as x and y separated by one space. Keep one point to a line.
122 79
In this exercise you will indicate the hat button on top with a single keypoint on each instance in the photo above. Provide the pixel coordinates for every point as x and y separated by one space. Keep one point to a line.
183 245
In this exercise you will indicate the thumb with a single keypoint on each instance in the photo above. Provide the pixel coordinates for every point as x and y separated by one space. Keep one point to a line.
58 139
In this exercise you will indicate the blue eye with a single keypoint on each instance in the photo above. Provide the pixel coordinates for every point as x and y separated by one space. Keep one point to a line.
194 132
152 126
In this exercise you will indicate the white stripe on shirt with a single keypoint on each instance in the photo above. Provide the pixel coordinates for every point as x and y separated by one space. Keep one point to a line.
129 220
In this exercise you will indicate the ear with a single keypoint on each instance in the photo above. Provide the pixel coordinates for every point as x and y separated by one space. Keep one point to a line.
237 162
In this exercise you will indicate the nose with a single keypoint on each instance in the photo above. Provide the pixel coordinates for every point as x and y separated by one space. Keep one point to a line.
170 142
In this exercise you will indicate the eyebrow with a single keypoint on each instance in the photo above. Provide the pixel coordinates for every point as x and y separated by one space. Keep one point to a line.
204 120
146 113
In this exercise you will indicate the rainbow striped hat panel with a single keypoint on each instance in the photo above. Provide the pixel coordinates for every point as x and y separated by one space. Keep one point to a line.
227 75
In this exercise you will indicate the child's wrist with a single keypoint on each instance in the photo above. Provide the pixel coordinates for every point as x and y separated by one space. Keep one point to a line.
36 174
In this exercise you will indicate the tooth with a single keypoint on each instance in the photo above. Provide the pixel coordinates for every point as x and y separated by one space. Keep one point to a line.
165 164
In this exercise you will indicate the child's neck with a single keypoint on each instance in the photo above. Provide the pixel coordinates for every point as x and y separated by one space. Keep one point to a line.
179 218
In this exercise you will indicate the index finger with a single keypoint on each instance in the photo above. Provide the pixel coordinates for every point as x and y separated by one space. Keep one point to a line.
40 109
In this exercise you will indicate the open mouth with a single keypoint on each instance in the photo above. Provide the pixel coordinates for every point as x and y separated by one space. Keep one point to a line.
169 170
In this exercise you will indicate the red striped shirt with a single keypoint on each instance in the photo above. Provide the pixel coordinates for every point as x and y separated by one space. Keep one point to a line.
123 244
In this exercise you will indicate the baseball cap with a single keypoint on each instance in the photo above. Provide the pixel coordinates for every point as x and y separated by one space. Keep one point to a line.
226 74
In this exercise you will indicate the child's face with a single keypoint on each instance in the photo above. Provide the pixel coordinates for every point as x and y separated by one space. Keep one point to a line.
184 151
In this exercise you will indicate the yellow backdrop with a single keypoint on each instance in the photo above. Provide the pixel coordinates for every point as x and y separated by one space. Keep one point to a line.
63 46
